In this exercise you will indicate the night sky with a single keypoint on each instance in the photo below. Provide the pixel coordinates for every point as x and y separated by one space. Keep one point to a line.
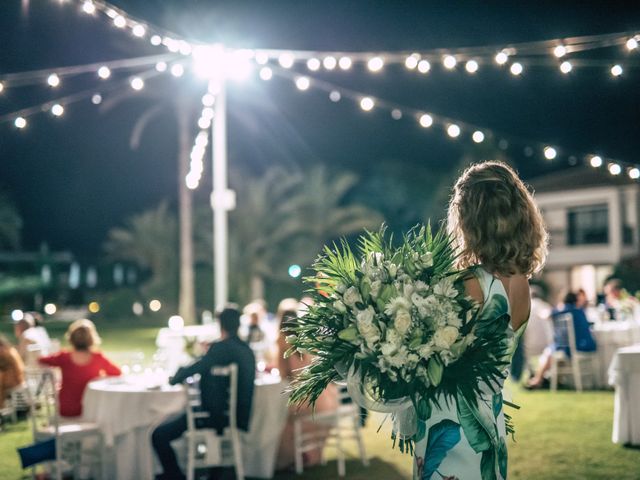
75 177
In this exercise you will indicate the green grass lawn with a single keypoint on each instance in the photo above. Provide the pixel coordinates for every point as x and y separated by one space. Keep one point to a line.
559 436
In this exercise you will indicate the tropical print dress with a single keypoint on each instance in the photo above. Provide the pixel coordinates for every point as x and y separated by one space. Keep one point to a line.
460 440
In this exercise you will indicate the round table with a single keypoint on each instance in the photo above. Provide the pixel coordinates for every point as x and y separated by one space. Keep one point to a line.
624 375
609 337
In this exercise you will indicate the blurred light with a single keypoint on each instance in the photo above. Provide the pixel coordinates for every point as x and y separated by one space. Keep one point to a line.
212 61
329 63
516 68
137 83
191 181
139 30
120 21
53 80
155 40
335 96
528 151
161 66
313 64
471 66
550 153
478 136
172 45
185 47
614 169
449 62
424 66
57 110
137 308
632 44
426 120
453 130
262 58
204 123
302 83
396 114
50 308
411 61
17 315
266 73
177 70
367 104
208 100
286 60
596 161
94 307
566 67
1 87
295 271
96 99
616 70
345 63
155 305
104 72
501 58
176 322
375 64
503 144
20 122
207 113
111 13
560 51
88 7
634 173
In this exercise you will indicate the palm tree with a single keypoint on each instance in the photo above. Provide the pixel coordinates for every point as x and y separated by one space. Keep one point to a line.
10 223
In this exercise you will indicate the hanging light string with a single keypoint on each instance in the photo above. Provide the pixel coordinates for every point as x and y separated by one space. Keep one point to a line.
454 128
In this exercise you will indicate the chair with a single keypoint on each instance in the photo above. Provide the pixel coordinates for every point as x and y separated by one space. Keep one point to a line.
205 448
340 425
69 436
574 366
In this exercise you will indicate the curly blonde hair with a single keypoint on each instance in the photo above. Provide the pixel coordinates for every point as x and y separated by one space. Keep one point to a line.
495 222
82 335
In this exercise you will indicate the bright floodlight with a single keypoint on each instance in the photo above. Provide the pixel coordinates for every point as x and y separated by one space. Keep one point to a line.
57 110
335 96
375 64
501 58
453 130
137 83
634 173
329 62
139 30
478 136
176 322
53 80
88 7
560 51
426 120
120 21
96 99
550 153
424 66
632 44
302 83
17 315
615 169
411 61
161 66
104 72
616 70
50 308
266 73
313 64
345 63
177 70
449 62
155 40
367 104
516 68
286 60
471 66
596 161
566 67
213 62
20 122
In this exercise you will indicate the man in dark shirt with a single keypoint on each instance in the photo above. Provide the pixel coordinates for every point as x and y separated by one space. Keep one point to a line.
213 391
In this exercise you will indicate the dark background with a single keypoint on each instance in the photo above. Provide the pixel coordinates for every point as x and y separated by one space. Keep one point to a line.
75 177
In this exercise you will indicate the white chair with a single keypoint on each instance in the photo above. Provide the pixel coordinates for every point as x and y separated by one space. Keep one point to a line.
329 429
75 441
205 448
580 365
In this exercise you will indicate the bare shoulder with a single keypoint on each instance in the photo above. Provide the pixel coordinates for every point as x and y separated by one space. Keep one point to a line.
519 299
473 288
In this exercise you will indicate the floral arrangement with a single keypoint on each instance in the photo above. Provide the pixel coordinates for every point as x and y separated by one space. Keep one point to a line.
398 317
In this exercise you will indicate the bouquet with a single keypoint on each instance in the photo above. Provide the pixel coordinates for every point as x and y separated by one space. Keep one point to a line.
398 321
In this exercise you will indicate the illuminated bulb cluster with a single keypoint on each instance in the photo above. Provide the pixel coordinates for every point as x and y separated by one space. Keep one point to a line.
471 66
196 165
501 58
375 64
615 169
560 51
177 70
204 122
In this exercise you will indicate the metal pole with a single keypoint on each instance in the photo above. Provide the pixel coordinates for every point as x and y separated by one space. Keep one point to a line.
220 200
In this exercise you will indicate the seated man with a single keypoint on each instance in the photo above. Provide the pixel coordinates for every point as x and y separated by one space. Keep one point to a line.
213 391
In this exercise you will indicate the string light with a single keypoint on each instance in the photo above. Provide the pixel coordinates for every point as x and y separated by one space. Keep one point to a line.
596 161
88 8
104 72
53 80
185 48
120 21
329 62
411 62
313 64
367 104
478 136
155 40
632 44
139 30
137 83
375 64
566 67
208 100
335 96
303 83
396 114
425 120
20 122
634 173
471 66
550 153
204 123
616 70
345 63
161 66
266 73
1 87
560 51
286 60
177 70
262 58
614 169
196 165
516 68
501 58
96 99
111 13
449 62
453 130
57 110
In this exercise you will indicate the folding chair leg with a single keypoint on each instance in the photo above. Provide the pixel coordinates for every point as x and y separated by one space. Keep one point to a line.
237 456
360 440
297 446
554 375
341 462
577 374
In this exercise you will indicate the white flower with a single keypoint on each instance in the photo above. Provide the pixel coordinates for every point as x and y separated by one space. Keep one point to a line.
420 286
375 258
402 322
448 357
392 268
351 296
407 290
427 259
366 326
416 299
387 349
399 358
375 288
426 350
393 337
445 288
339 306
396 304
453 319
445 337
341 288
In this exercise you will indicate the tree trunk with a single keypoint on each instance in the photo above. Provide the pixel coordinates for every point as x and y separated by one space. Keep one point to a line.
187 298
257 287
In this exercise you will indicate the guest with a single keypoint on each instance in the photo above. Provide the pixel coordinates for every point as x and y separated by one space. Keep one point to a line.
31 338
612 296
584 339
255 313
581 299
328 400
11 368
213 391
79 366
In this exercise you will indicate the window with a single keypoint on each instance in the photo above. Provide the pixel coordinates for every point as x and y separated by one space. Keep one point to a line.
589 225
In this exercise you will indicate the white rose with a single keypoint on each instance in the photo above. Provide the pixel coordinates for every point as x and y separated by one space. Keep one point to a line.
351 296
453 319
425 351
339 306
375 288
402 322
366 316
366 327
393 270
387 349
445 337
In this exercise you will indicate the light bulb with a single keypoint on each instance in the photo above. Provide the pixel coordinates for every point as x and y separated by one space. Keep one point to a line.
367 104
632 44
286 60
155 40
426 120
424 66
501 58
634 173
596 161
262 58
20 122
177 70
302 83
96 99
208 100
550 153
516 68
411 61
345 63
207 112
396 114
161 66
89 8
53 80
478 136
566 67
57 110
139 30
329 63
204 123
120 21
560 51
1 87
453 130
375 64
614 169
137 83
616 70
335 96
266 73
449 62
104 72
471 66
313 64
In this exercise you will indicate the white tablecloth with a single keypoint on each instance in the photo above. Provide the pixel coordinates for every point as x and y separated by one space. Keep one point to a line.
609 337
624 375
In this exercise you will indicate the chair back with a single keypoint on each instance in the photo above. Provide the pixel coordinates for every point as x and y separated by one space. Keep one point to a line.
194 402
43 399
565 334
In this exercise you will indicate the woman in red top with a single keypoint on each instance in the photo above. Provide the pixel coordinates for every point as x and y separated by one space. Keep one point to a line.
79 366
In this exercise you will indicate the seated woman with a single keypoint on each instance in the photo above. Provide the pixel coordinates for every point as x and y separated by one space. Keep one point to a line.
328 401
11 369
583 337
79 366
